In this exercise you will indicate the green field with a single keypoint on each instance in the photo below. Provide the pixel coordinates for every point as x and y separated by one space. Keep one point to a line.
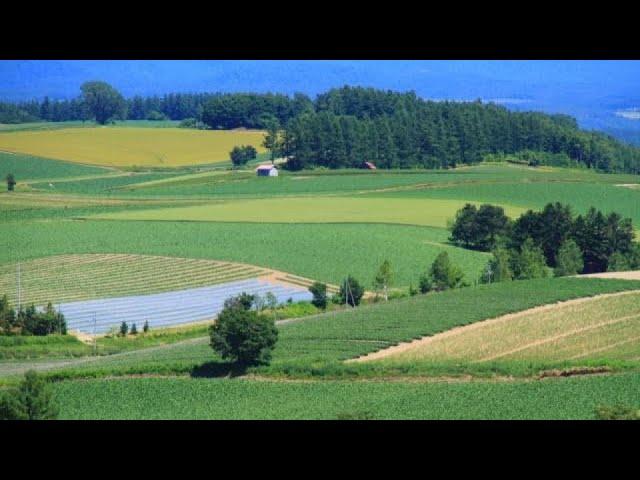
26 167
581 196
98 185
184 398
433 213
317 251
317 346
84 232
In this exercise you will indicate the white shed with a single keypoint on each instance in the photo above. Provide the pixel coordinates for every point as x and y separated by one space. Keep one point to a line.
267 171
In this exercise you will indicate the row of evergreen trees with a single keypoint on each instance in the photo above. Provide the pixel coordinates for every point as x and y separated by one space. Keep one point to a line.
591 243
347 126
217 110
400 130
29 321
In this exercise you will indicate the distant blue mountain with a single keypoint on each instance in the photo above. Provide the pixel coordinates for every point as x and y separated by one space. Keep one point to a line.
592 91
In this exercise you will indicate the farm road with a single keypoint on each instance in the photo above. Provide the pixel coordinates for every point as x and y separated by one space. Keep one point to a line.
19 367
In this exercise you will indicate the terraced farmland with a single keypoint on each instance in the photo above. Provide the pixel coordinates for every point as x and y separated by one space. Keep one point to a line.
129 146
605 327
70 278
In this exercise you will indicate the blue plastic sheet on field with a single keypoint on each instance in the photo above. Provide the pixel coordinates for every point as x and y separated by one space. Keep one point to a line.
169 308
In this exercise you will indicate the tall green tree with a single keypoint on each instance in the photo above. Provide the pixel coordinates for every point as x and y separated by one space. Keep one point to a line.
103 101
569 259
529 262
31 400
11 182
383 279
243 336
444 274
273 141
351 292
498 269
319 292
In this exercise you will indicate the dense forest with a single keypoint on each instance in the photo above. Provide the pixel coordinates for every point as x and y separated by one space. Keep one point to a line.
347 126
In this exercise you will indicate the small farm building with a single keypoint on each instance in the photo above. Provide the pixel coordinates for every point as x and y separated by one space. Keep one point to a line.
267 171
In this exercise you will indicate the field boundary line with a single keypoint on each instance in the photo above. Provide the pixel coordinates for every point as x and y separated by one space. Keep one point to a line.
560 336
406 346
606 347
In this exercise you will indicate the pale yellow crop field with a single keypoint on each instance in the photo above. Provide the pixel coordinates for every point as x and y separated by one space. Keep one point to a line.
598 328
129 146
410 211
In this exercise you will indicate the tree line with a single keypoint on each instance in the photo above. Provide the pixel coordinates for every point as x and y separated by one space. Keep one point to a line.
400 130
553 238
30 321
347 126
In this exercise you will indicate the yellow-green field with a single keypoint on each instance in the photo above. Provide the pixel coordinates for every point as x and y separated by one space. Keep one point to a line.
410 211
606 327
123 147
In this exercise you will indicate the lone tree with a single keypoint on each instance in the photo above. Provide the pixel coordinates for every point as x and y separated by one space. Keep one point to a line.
241 155
319 292
383 279
124 329
243 335
351 292
103 101
11 182
31 400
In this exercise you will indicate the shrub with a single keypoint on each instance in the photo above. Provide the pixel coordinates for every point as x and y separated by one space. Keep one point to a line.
244 300
351 292
32 400
243 335
424 284
617 412
319 292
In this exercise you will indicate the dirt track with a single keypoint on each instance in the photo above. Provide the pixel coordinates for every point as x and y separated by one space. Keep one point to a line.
633 275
